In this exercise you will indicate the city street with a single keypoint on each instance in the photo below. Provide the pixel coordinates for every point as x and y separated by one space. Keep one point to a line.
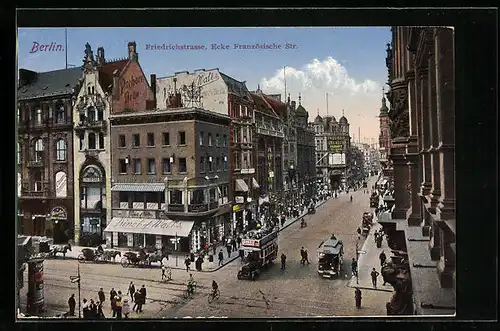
298 291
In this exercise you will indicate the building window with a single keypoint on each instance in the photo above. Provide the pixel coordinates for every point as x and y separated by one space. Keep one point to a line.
91 140
19 154
200 136
81 139
166 166
151 167
137 166
224 141
136 140
182 138
101 140
182 164
100 114
166 138
246 160
123 166
209 139
175 197
151 139
224 160
61 150
217 140
38 150
91 114
210 164
38 118
121 141
202 164
237 160
37 180
60 114
217 163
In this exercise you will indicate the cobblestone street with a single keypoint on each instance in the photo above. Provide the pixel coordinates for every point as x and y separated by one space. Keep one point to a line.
298 291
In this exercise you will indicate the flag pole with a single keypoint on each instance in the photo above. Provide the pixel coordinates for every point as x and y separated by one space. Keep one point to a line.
284 78
66 45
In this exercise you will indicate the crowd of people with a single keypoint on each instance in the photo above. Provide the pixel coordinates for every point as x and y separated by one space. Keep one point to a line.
120 306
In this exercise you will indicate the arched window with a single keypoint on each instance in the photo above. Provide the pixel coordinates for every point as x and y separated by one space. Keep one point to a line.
91 140
38 118
61 150
91 115
60 114
38 150
100 114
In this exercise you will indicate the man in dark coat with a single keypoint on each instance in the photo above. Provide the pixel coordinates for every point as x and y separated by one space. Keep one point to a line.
221 257
374 274
382 258
228 247
100 313
302 256
233 242
283 261
354 267
357 297
113 295
187 262
242 254
85 309
143 293
131 291
137 302
72 305
238 241
101 295
93 309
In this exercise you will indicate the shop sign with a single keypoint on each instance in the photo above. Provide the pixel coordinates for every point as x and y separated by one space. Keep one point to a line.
58 213
250 242
239 199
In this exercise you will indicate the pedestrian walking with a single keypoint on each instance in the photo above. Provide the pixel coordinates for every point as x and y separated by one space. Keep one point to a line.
163 269
228 248
357 297
238 240
283 261
113 301
72 305
100 313
235 246
306 257
354 267
187 262
85 309
101 295
118 305
131 290
143 293
374 274
125 308
93 310
242 254
382 258
221 257
137 302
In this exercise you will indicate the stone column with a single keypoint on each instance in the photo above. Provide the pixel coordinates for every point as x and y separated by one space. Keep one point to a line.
445 90
413 215
425 132
446 264
435 192
401 175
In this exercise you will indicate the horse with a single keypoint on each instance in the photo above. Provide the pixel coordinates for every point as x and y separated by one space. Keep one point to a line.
155 257
59 249
110 255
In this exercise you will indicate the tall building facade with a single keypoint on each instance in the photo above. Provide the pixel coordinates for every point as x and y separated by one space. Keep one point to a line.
422 98
45 152
332 143
385 142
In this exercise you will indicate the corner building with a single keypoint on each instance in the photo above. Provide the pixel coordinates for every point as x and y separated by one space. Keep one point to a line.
422 98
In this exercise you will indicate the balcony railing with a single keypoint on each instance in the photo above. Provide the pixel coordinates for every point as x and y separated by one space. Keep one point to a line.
91 152
91 124
176 207
196 208
35 163
270 132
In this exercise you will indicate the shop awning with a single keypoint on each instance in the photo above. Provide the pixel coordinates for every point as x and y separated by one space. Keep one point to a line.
254 183
241 186
227 208
139 187
150 226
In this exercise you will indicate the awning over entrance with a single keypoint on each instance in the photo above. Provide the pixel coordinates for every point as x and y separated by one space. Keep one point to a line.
241 186
254 183
139 187
150 226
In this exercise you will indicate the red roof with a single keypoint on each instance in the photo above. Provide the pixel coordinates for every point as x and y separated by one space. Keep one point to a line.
262 106
106 73
278 106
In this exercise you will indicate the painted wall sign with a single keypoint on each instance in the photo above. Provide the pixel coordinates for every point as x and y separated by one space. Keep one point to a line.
204 89
61 185
133 90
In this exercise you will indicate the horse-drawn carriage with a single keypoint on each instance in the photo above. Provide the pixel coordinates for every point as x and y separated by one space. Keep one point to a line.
141 259
53 250
93 255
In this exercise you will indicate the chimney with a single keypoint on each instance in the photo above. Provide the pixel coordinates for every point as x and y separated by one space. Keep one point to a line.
153 88
132 54
100 56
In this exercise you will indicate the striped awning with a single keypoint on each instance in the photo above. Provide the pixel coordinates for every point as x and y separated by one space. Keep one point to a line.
161 227
255 184
241 186
139 187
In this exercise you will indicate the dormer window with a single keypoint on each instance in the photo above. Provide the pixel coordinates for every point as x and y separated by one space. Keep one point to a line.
60 114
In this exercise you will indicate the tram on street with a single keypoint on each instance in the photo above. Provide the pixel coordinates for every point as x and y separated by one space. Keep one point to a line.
260 249
330 258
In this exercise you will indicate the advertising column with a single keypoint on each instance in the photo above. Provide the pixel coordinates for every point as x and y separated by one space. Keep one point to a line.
35 300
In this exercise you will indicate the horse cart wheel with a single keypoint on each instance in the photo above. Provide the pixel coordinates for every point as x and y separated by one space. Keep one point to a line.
240 275
125 262
81 258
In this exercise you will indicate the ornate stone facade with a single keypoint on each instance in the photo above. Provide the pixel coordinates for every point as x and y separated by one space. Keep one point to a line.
421 77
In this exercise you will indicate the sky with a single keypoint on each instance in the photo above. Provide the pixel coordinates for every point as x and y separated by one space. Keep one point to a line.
348 64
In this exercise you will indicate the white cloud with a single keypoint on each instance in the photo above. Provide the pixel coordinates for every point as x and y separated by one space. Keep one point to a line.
361 99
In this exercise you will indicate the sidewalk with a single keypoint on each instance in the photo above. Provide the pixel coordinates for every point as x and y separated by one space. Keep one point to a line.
369 259
176 261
